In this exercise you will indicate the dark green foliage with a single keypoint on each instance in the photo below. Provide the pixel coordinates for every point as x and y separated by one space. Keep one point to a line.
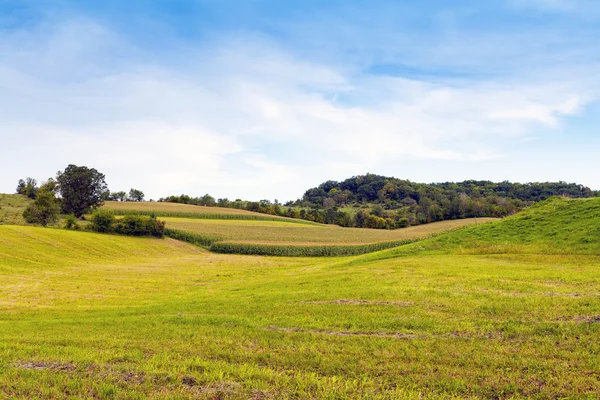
27 187
81 189
390 203
20 187
44 210
135 195
138 225
103 221
206 200
397 200
118 196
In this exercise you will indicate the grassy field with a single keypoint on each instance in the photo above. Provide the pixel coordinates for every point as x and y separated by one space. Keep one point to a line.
84 315
11 209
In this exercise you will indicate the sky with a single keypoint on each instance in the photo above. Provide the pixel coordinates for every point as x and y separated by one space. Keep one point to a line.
263 99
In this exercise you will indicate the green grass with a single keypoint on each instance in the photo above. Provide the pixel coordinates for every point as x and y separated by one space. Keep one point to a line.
11 209
85 315
554 226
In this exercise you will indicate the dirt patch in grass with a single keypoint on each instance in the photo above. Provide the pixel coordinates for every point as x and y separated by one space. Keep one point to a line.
364 302
216 390
45 365
588 319
399 335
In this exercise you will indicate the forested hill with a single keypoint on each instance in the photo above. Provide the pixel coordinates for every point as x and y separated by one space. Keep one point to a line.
428 202
374 201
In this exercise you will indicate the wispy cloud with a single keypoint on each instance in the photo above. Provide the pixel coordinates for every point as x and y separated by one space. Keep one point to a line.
244 115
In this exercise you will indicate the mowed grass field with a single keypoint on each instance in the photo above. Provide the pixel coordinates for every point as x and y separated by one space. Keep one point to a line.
85 315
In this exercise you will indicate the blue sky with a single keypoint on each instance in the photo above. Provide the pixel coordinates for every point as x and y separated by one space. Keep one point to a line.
264 99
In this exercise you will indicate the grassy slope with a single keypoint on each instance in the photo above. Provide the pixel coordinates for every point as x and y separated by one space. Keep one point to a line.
555 226
97 316
11 209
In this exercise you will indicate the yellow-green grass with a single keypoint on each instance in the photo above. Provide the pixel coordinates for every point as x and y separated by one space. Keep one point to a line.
86 315
263 232
554 226
190 211
11 209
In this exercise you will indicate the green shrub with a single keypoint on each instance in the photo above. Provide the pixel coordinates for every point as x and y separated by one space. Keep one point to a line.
138 225
71 222
103 221
44 210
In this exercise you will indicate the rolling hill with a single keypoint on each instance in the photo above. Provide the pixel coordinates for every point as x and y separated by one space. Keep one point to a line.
86 315
554 226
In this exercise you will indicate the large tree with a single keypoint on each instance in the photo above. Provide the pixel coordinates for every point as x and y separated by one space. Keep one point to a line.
81 189
136 195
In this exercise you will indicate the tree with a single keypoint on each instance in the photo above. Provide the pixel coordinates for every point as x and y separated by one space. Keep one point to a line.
328 203
136 195
44 210
21 187
81 189
208 200
27 187
118 196
50 185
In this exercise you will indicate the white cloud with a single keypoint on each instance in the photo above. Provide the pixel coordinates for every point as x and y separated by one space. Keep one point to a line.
244 117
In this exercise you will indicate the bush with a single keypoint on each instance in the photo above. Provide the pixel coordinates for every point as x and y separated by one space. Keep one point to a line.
403 223
137 225
71 222
44 210
102 221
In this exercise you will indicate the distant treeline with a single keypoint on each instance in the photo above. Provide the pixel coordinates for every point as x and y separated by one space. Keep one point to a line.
374 201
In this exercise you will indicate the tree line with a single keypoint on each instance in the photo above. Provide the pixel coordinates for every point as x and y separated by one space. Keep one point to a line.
375 201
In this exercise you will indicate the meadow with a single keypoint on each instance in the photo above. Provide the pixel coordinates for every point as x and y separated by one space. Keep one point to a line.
85 315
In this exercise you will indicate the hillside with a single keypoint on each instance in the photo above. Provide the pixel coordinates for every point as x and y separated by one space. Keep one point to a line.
11 209
418 203
555 226
86 315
